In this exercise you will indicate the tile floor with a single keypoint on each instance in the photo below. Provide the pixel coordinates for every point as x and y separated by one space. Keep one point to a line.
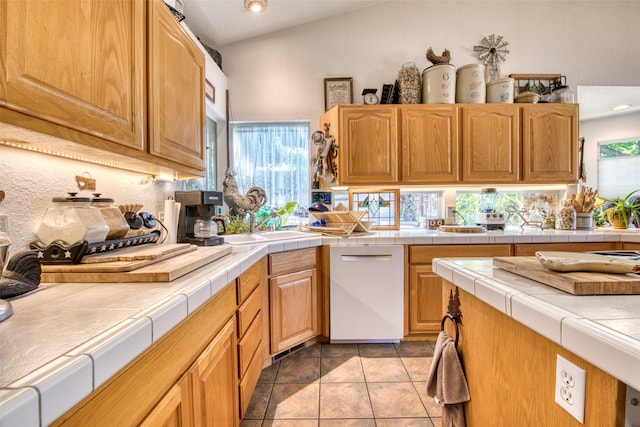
347 385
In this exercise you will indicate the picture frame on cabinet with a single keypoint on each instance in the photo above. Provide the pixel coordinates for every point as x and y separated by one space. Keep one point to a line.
337 90
210 91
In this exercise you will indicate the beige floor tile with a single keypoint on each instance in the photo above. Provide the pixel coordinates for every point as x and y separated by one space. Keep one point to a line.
339 350
384 369
345 400
404 422
259 401
251 423
299 370
341 370
377 350
268 374
415 348
314 350
433 408
395 400
294 401
417 367
290 423
348 423
437 422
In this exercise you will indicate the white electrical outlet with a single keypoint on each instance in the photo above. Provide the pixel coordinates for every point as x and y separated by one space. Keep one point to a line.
632 410
570 387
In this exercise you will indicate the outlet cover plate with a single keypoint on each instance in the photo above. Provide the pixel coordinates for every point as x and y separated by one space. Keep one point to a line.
570 387
632 410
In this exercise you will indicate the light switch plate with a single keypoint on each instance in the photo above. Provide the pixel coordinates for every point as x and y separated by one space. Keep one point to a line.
632 408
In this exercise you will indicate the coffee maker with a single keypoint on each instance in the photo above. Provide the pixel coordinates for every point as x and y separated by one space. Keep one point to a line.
198 207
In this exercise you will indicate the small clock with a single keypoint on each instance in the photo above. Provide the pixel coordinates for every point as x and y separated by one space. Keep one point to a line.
369 96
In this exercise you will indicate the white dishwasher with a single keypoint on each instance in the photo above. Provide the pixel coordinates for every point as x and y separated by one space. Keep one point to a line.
366 293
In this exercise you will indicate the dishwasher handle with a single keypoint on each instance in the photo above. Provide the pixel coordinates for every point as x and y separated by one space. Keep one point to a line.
366 258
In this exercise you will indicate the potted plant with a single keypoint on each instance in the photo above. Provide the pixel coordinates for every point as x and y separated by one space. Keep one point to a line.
620 212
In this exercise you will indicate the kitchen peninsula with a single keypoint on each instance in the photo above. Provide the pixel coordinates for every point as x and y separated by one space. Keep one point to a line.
68 341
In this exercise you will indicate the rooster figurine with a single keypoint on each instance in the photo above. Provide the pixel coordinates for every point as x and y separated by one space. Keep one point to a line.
435 59
240 205
22 275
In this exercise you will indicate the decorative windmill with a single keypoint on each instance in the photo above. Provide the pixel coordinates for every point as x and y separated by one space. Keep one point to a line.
492 50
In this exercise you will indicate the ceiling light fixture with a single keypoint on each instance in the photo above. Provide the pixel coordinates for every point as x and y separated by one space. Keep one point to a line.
621 107
255 6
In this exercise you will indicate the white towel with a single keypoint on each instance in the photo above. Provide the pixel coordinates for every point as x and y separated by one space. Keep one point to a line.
447 383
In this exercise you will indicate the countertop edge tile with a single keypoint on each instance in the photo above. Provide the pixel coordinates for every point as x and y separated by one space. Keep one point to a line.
621 357
464 280
196 295
19 407
113 349
539 316
61 384
165 314
492 293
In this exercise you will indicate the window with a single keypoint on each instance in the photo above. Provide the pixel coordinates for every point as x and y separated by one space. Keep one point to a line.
208 182
274 156
618 167
418 206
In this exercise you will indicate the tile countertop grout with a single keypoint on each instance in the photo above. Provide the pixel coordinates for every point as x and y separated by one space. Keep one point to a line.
100 319
605 335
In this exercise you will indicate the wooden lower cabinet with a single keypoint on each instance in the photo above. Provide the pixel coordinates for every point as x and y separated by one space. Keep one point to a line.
294 309
215 382
423 292
511 371
174 410
530 249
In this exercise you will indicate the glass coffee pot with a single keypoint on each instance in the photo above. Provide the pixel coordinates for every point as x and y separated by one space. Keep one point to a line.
205 227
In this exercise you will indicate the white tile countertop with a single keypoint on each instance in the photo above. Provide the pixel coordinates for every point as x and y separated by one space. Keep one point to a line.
66 339
602 329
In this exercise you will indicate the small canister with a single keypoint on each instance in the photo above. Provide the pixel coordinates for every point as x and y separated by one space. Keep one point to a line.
470 84
500 91
118 226
439 84
566 217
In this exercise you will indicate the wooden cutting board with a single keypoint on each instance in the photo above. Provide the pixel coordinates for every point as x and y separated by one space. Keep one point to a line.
137 253
462 228
576 282
163 269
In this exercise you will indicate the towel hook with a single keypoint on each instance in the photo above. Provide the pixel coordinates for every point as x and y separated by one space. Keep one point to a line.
453 313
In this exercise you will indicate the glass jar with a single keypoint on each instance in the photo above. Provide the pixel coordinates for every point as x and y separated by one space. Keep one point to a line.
72 219
566 216
409 84
118 226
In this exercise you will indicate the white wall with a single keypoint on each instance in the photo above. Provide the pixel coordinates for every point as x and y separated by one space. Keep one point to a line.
280 76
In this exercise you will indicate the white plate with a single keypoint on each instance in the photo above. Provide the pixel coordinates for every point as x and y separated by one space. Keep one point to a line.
575 261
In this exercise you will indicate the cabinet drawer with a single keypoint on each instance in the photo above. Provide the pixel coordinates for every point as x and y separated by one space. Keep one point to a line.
249 344
530 249
248 383
425 254
248 310
286 262
248 281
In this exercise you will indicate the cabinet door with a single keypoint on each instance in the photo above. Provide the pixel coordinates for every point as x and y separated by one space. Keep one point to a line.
368 145
176 91
79 64
174 410
550 143
215 381
425 300
430 144
490 143
294 309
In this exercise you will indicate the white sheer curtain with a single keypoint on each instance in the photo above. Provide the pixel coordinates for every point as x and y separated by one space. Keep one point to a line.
274 156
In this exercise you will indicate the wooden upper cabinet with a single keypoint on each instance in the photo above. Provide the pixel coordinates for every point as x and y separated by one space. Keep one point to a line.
490 143
77 64
430 147
550 143
176 91
368 141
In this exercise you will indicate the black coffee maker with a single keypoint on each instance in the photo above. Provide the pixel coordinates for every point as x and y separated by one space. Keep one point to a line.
196 223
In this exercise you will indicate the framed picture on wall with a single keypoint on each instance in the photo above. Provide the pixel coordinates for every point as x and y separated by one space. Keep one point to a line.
337 90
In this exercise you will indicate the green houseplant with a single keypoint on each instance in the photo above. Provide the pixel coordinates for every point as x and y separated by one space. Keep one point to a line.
620 212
